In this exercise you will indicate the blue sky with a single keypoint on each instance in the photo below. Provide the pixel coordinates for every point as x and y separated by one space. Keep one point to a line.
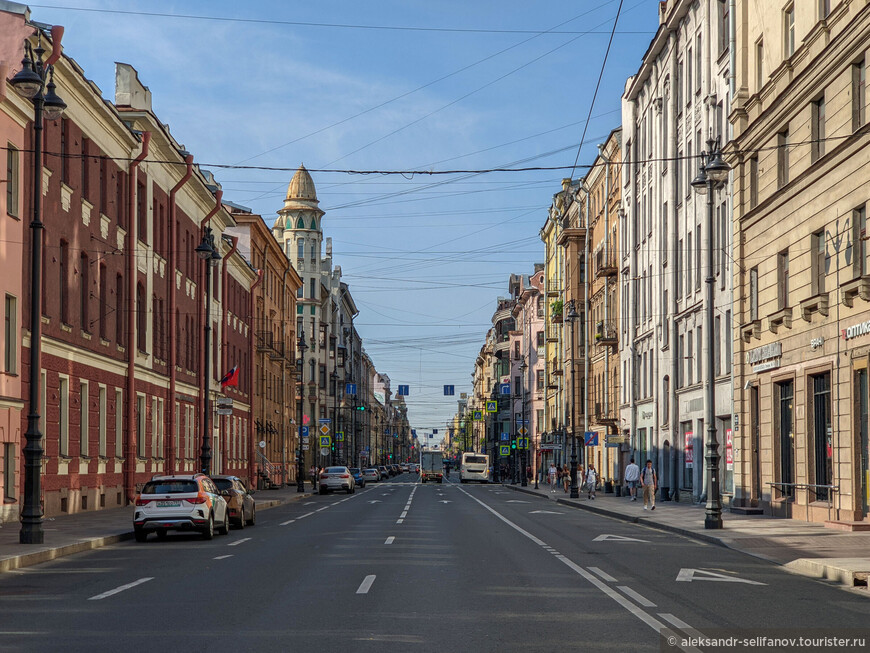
482 86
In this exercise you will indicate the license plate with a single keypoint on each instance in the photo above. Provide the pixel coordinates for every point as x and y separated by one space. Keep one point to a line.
169 504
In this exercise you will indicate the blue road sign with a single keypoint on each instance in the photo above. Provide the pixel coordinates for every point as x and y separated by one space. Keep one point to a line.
522 422
403 391
448 390
591 439
303 431
324 420
350 389
505 388
505 437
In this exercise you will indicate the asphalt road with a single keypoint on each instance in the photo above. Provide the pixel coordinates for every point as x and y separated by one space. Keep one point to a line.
406 566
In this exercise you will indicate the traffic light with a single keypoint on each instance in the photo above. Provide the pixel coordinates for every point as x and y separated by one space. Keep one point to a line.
513 444
360 407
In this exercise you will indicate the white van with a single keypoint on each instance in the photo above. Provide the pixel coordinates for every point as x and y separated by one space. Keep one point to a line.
474 467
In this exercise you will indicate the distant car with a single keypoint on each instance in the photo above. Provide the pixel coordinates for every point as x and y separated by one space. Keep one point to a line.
404 467
385 472
240 503
337 478
371 475
181 502
395 470
356 472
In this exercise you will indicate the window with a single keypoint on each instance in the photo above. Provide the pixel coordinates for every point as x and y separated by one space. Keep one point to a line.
312 286
753 182
119 423
689 260
141 425
678 176
85 186
141 212
119 310
141 319
698 257
818 262
759 65
9 471
12 162
85 292
724 33
859 94
689 76
64 151
666 398
84 419
727 342
103 299
681 347
539 380
717 346
665 321
104 407
10 336
63 423
788 32
690 356
678 269
753 294
699 358
698 66
859 226
782 158
63 270
782 280
300 248
104 185
678 88
817 149
824 9
120 198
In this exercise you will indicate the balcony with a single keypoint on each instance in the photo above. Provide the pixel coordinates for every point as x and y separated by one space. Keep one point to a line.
555 366
553 333
606 333
605 266
265 341
605 416
572 235
277 352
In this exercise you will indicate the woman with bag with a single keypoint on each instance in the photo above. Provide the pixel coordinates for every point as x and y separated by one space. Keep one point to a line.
591 481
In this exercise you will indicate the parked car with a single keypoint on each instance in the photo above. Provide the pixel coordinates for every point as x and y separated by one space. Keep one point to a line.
385 473
240 503
404 467
182 502
337 478
356 472
371 475
395 469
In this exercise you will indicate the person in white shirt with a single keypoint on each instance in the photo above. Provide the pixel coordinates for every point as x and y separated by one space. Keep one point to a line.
649 481
591 480
632 476
551 475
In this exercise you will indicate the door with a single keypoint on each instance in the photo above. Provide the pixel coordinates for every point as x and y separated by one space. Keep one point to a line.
785 424
822 435
754 444
863 444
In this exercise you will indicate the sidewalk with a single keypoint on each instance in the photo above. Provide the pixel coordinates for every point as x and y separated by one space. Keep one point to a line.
805 548
68 534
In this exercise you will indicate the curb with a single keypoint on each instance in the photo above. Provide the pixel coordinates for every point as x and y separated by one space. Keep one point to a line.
46 555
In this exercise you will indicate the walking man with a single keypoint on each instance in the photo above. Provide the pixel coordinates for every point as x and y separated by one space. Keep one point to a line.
591 481
632 476
551 474
649 481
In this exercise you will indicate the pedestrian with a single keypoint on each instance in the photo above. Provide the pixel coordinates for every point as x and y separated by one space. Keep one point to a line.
649 481
591 480
551 475
312 473
632 476
528 473
566 478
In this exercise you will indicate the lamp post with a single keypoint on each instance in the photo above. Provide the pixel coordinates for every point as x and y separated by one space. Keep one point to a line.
29 83
524 482
712 174
207 251
300 368
571 317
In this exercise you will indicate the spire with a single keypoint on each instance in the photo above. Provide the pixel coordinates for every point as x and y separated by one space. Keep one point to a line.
301 200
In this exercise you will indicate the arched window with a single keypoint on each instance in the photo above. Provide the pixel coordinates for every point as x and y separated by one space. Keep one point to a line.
314 224
540 306
300 248
300 224
85 292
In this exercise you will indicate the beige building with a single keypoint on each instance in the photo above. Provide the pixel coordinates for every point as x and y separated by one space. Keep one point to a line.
801 158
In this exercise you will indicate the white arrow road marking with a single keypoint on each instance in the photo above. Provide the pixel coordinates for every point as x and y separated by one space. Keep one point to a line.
602 574
237 542
645 602
617 538
224 557
289 521
688 575
104 595
390 540
545 512
515 501
366 585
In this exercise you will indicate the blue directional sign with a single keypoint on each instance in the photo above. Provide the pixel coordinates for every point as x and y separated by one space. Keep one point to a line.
591 439
505 437
303 431
350 389
435 431
448 390
324 420
504 388
522 422
403 391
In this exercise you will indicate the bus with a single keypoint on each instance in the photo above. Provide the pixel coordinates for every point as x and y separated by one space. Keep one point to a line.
474 467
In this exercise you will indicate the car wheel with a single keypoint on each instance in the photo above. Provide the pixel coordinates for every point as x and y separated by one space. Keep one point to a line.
241 523
140 534
322 490
253 519
225 528
208 531
161 533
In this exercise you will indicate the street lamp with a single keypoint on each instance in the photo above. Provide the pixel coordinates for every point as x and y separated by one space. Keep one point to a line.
712 174
207 251
300 369
572 316
524 482
29 83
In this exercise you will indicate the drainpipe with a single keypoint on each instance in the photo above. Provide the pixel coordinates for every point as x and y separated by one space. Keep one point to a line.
672 310
252 443
235 242
130 452
632 328
606 279
732 48
284 374
173 322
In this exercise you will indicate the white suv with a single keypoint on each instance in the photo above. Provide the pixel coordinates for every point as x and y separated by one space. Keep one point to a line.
180 503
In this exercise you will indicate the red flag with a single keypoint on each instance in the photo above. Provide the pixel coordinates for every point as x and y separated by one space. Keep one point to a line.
231 377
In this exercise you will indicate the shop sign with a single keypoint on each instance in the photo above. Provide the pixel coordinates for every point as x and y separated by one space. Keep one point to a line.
856 330
690 449
766 357
729 450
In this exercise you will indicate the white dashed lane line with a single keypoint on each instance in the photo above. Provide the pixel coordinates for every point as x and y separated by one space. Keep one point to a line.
223 557
237 542
289 521
642 600
105 595
603 574
390 540
366 585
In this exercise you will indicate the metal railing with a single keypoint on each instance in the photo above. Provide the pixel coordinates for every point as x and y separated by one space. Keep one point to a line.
270 472
828 491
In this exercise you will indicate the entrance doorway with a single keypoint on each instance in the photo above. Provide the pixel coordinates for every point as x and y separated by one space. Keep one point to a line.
755 446
861 412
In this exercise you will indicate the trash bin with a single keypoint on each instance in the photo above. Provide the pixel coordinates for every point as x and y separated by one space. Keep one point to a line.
665 494
608 487
618 490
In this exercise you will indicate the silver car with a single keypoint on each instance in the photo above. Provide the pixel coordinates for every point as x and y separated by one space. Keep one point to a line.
337 478
371 475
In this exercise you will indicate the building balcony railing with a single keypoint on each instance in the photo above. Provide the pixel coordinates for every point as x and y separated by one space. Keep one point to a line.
606 266
553 333
265 341
604 415
606 333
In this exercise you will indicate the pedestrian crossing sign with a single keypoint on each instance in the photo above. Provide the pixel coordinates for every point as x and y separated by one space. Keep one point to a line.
339 436
505 450
478 416
491 406
325 441
522 443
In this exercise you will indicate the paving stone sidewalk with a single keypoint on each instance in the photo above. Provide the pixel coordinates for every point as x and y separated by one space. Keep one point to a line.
807 548
68 534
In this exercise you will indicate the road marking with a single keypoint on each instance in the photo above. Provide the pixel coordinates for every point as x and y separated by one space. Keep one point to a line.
307 514
366 585
515 501
323 508
224 557
648 619
404 514
682 625
399 521
602 574
390 539
645 602
545 512
688 575
104 595
617 538
237 542
445 501
308 503
290 521
375 501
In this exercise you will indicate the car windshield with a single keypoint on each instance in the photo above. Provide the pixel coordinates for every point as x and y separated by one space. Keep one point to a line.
223 483
170 487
